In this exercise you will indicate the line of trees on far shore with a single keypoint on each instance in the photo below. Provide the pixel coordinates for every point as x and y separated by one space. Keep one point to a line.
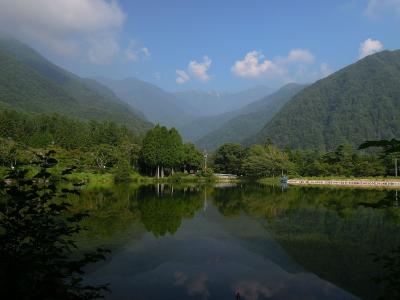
99 147
268 160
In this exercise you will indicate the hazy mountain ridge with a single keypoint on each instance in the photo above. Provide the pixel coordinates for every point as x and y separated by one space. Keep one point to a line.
181 109
359 102
203 104
250 119
156 104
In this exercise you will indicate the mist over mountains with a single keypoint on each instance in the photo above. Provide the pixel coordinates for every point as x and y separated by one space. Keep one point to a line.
179 109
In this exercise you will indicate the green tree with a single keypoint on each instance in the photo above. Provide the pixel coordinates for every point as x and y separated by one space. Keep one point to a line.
8 153
192 158
104 156
36 239
266 161
149 153
174 150
162 148
228 158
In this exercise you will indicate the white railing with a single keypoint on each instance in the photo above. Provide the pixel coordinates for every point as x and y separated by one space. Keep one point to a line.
345 182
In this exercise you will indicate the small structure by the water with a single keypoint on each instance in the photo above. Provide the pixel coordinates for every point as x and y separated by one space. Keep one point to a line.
225 177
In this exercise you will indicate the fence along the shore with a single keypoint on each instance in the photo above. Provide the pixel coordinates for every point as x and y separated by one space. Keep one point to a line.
345 182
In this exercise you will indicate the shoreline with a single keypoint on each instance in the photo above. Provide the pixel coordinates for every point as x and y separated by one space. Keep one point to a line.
349 182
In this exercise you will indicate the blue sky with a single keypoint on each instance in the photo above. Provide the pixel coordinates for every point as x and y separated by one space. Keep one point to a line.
208 45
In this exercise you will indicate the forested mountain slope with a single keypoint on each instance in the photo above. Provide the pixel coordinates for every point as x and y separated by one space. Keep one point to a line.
360 102
30 82
250 119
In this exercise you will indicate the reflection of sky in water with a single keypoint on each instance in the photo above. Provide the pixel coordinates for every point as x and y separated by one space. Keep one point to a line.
211 257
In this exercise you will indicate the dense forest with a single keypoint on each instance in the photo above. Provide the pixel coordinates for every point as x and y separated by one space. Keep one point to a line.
94 146
31 83
360 102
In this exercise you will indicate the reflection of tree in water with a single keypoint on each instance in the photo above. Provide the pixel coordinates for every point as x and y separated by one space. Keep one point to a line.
162 212
113 217
330 232
389 259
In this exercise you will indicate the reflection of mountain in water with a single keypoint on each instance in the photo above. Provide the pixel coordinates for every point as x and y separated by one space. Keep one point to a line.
203 241
327 231
204 260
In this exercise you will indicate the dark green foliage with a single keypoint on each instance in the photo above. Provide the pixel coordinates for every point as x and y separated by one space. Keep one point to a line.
8 153
360 102
162 148
36 239
192 158
269 161
228 159
389 147
123 172
344 161
151 151
31 83
93 146
163 213
42 130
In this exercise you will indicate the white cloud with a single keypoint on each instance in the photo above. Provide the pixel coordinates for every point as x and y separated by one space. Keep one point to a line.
370 46
68 27
299 56
145 51
254 65
182 76
376 8
199 69
135 52
195 69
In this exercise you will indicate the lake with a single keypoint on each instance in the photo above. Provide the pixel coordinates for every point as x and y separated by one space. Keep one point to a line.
263 242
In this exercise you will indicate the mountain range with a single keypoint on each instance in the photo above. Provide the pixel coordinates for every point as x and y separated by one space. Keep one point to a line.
247 121
203 104
181 108
357 103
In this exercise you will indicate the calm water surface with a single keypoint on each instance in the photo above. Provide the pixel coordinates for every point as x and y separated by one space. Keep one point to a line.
260 241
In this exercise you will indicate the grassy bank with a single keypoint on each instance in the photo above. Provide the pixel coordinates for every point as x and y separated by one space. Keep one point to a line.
108 178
